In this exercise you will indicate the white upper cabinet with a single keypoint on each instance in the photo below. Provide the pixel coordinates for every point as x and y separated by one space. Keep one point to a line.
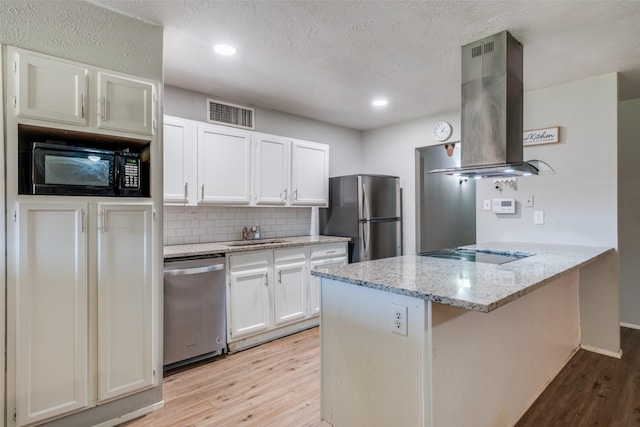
271 169
50 89
224 165
125 104
70 93
180 152
309 174
213 164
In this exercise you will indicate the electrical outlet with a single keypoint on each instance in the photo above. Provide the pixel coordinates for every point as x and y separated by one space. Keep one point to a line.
399 319
538 217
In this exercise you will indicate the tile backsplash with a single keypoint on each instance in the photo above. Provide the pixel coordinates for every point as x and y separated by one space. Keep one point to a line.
205 224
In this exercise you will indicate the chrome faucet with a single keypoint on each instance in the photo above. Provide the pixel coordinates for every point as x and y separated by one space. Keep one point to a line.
251 233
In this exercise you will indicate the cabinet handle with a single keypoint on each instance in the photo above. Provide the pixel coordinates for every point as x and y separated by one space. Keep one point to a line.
266 279
82 101
203 192
279 276
84 225
284 199
295 194
186 192
104 108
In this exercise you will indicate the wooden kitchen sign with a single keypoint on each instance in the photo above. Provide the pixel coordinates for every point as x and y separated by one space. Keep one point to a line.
541 136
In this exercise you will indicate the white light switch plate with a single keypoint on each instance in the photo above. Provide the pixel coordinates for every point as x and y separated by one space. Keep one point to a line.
486 205
538 217
528 202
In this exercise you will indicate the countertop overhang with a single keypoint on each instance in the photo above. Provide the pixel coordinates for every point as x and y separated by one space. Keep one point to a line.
221 248
471 285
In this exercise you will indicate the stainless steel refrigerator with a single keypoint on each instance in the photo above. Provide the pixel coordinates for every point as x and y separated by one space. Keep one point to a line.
367 209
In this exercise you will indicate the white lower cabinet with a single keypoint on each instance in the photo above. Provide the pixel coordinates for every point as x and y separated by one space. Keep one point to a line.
290 288
272 294
51 316
124 300
323 256
57 272
249 300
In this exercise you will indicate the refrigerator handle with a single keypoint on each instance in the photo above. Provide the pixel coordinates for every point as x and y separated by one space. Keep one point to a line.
366 211
366 230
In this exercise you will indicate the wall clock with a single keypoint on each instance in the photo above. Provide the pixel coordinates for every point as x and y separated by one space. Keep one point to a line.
442 131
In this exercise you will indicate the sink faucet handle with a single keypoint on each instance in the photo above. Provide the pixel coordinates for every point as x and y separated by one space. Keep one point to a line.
245 233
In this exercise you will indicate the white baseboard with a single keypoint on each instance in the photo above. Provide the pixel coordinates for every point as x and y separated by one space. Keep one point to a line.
131 415
598 350
629 325
245 343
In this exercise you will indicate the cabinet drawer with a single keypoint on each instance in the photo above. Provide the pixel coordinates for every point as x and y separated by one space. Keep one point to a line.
250 260
331 250
289 255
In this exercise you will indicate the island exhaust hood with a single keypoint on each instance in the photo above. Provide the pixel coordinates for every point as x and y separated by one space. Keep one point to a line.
492 98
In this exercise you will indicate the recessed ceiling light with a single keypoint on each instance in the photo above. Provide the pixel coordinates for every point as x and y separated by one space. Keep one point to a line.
379 102
224 49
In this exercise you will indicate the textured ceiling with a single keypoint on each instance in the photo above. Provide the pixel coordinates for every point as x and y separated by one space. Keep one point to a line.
327 59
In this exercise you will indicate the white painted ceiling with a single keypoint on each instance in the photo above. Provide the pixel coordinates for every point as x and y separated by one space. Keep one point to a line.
328 59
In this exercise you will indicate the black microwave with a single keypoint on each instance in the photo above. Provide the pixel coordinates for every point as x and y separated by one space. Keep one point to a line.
58 169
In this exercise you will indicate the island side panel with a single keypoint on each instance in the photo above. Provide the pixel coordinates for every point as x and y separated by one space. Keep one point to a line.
488 368
600 306
371 376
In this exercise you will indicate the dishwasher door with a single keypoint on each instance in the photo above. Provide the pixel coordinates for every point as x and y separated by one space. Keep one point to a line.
194 310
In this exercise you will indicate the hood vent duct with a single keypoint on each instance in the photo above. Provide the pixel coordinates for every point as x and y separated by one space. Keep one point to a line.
491 117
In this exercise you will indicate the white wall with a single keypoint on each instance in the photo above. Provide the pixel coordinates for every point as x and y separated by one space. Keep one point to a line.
580 200
345 144
391 150
629 210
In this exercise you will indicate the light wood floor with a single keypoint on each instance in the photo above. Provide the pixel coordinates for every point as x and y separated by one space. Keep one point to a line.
278 384
275 384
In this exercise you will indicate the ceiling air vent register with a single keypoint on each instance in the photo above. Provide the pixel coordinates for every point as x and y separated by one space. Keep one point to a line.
225 113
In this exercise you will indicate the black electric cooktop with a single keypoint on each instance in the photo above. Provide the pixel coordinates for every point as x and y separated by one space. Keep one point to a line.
475 255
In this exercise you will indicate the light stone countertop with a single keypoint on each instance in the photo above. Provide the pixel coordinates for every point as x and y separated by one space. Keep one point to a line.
199 249
471 285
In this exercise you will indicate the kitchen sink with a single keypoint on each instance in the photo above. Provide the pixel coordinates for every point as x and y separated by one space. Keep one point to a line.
255 242
475 255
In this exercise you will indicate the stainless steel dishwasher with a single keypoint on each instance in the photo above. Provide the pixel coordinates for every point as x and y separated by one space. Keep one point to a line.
194 310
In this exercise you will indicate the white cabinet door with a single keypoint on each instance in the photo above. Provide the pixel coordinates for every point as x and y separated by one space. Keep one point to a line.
224 165
290 268
180 161
51 328
309 174
323 256
271 166
249 303
51 90
125 104
124 299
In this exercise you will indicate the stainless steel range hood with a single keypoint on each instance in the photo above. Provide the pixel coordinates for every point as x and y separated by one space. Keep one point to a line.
492 98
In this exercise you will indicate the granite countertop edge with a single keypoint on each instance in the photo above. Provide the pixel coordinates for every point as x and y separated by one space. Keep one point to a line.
376 280
222 248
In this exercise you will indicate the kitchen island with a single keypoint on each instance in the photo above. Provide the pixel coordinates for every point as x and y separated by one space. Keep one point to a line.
421 341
